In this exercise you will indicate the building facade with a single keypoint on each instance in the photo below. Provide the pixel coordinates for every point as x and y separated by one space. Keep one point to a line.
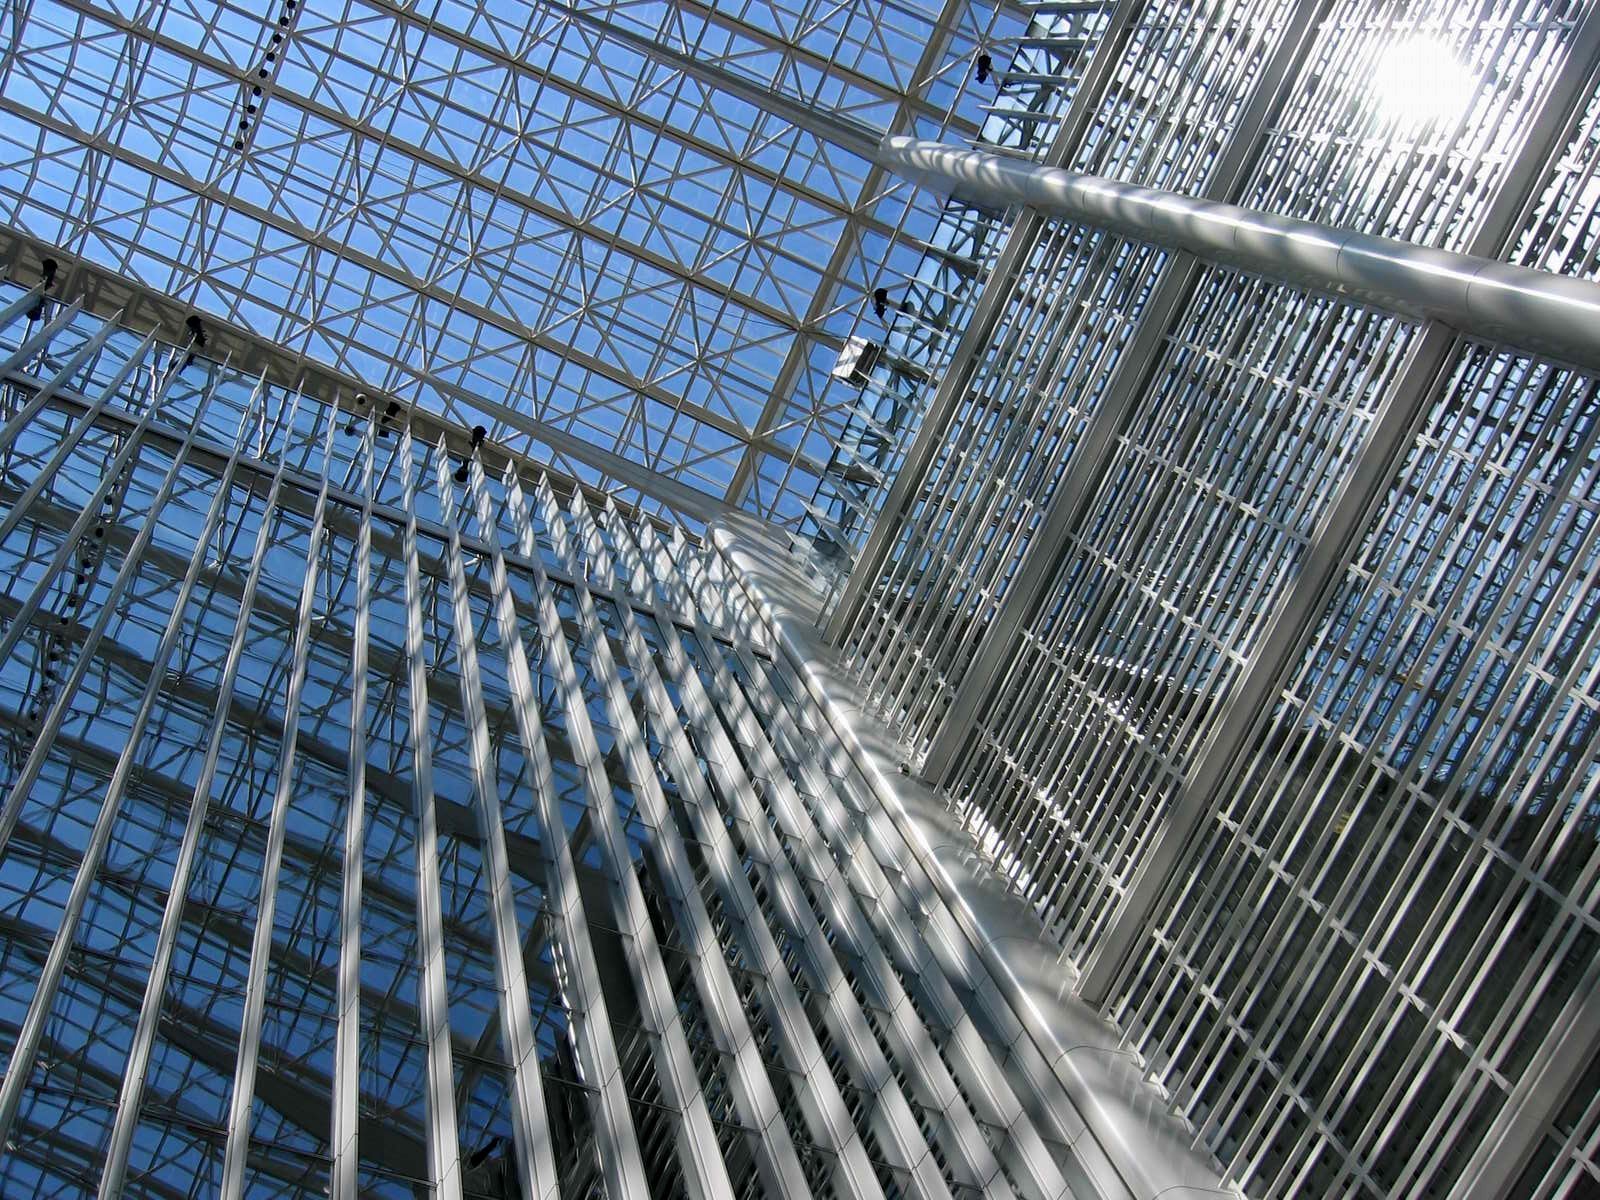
998 601
1252 629
377 826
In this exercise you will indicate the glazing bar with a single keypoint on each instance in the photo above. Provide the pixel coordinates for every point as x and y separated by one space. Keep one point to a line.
126 1120
26 1049
433 1004
244 1073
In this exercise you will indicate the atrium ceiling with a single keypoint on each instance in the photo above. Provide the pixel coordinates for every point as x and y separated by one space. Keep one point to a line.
508 213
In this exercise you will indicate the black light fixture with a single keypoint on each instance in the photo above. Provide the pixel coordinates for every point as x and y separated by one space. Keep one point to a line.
880 302
47 276
985 64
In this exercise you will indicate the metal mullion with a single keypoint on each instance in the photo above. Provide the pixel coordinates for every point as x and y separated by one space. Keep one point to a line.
1006 508
252 466
820 1098
617 1144
949 946
697 1152
1549 514
1281 847
536 1165
1051 380
1280 632
35 343
70 439
1010 267
1408 871
960 475
899 1134
965 425
25 414
242 1099
956 475
26 1049
983 1086
781 1171
346 1106
130 1099
21 303
444 1146
22 620
903 1030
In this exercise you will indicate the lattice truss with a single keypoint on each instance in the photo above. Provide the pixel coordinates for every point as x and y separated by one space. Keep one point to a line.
515 213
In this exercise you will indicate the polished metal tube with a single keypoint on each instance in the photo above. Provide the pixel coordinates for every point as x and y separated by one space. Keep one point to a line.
1499 302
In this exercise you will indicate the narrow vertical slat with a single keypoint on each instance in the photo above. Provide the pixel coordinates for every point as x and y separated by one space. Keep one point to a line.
535 1153
237 1149
126 1120
433 1004
29 1037
344 1182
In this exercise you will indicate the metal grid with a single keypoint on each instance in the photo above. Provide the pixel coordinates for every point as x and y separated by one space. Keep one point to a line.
1257 404
518 202
1360 964
601 909
1397 897
1035 74
1177 89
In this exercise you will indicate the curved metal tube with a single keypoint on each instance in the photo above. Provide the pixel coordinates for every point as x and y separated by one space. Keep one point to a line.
1501 302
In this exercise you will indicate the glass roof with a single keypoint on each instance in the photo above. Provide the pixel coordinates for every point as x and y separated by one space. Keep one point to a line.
508 213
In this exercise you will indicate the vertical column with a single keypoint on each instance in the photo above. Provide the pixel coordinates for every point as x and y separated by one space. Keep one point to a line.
38 1014
618 1150
87 516
346 1115
433 1006
696 1140
901 1138
63 451
126 1119
818 1093
728 1026
237 1148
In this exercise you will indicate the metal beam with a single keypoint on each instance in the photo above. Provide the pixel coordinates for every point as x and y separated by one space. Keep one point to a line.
106 292
1499 302
1300 604
1089 459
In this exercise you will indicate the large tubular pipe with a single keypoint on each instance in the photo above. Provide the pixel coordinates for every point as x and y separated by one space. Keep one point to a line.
1500 302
